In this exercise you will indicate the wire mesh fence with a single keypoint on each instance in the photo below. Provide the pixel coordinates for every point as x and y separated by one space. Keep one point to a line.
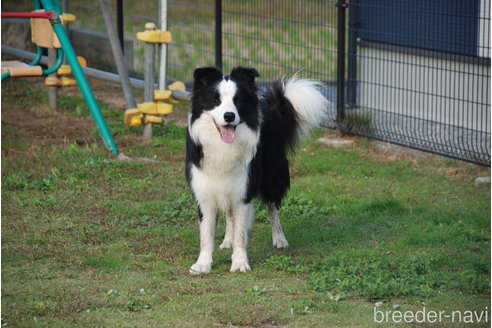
275 39
416 73
281 38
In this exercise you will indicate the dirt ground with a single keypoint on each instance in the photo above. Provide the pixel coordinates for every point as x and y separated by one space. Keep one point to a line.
43 124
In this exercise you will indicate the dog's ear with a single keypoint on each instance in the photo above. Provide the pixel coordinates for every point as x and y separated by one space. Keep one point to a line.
205 76
244 74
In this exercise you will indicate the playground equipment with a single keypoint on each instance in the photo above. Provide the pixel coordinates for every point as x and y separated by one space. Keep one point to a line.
64 76
116 47
51 34
157 103
43 36
152 112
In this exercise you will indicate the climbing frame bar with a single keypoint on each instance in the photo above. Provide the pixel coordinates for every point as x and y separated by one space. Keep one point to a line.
46 14
79 75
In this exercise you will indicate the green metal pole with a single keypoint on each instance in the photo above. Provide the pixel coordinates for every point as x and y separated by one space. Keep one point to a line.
59 62
5 75
81 79
39 54
37 4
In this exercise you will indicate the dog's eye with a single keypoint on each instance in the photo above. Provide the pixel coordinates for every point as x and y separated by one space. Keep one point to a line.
217 100
236 100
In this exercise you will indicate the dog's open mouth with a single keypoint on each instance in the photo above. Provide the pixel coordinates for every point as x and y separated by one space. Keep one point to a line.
227 132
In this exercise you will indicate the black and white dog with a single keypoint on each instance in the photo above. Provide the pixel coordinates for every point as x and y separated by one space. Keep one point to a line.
236 149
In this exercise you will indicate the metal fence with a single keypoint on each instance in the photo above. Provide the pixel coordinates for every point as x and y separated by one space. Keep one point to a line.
410 72
276 39
418 74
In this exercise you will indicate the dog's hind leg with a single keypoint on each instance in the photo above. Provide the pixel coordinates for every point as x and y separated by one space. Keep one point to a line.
278 237
229 232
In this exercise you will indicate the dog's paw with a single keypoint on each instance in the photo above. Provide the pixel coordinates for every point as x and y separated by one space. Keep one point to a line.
226 244
280 242
240 266
199 268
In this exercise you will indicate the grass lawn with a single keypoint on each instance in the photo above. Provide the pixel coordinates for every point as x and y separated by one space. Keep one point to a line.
89 241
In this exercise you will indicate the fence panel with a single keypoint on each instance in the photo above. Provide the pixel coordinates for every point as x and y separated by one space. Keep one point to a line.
419 75
279 38
191 23
286 37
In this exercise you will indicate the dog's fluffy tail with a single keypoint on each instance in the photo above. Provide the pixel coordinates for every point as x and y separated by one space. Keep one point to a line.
294 107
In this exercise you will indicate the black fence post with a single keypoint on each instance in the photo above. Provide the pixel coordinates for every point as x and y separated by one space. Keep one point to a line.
342 5
352 56
218 33
119 23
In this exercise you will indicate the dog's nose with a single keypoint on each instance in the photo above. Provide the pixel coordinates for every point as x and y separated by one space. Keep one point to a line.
229 117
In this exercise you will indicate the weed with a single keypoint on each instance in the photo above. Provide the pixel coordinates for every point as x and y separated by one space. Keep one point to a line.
303 307
386 277
256 290
105 263
73 105
18 180
285 263
135 305
48 184
19 145
299 206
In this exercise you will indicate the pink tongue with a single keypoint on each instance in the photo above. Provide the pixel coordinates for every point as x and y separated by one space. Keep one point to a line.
227 133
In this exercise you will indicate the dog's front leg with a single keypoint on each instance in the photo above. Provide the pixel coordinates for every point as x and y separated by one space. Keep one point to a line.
243 218
207 237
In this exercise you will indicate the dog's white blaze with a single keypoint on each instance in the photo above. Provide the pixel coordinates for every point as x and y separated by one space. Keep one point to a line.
227 90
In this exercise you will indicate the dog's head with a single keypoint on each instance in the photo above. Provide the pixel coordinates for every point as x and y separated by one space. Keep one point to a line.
230 100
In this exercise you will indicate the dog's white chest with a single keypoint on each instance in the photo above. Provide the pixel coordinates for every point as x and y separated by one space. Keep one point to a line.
222 178
221 190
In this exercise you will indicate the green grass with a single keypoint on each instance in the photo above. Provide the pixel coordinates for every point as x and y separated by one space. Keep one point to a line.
89 241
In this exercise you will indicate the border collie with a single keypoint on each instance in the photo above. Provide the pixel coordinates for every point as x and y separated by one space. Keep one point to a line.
236 149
